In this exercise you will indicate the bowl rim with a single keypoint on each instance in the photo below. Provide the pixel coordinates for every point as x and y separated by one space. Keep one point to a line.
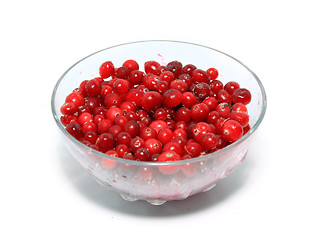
180 162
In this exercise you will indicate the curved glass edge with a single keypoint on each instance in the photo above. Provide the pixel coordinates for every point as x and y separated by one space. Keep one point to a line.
180 162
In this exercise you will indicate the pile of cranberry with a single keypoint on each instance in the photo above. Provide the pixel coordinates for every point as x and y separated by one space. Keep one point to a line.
165 113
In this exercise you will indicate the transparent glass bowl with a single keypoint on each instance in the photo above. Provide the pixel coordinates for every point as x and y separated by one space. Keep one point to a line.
135 180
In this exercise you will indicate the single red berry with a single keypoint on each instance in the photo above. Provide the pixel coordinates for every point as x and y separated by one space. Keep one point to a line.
224 97
179 132
74 129
136 143
153 145
167 76
239 107
92 88
76 98
212 117
97 119
121 86
135 96
172 97
135 77
127 106
200 76
123 138
106 69
157 125
84 118
173 146
213 73
241 95
165 135
216 86
132 127
162 86
189 99
122 150
186 78
90 136
105 90
142 154
130 115
151 100
115 130
104 125
120 120
147 133
112 99
223 109
193 148
232 131
131 65
183 114
230 87
188 69
68 108
169 156
151 66
160 114
200 129
89 126
179 85
209 141
113 112
122 72
105 142
199 112
202 90
211 102
175 67
241 117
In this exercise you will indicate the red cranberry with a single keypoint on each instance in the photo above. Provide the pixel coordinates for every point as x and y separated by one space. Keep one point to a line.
68 108
158 125
104 125
188 69
151 66
216 86
209 141
76 98
241 95
165 135
175 67
232 131
131 65
213 73
92 88
147 133
230 87
200 76
105 142
121 86
135 96
153 145
172 97
74 129
123 138
112 99
106 69
135 77
200 112
194 149
136 143
122 72
142 154
167 76
132 128
202 90
151 100
173 146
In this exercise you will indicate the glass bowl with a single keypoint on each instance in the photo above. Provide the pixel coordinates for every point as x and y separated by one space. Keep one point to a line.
136 180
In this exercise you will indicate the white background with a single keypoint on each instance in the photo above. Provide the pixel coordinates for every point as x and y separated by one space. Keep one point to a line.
272 195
